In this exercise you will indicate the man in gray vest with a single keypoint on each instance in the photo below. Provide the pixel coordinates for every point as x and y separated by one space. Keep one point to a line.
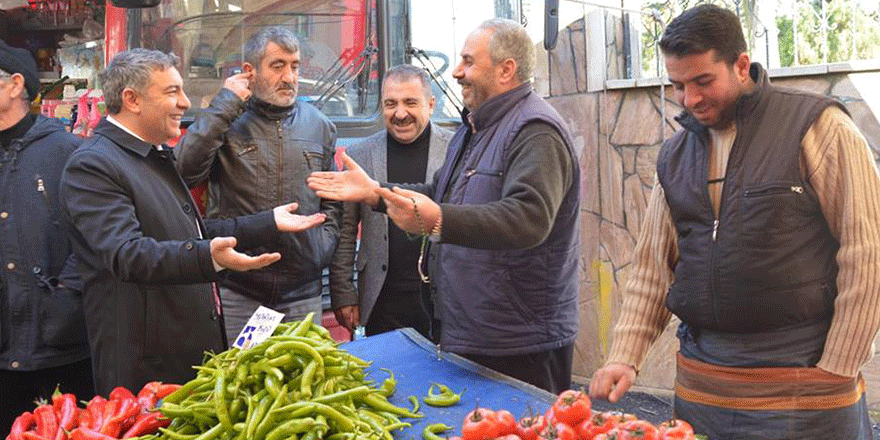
255 145
389 294
761 234
502 213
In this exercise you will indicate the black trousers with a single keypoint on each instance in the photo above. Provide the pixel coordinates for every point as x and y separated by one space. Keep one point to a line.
549 370
396 309
21 388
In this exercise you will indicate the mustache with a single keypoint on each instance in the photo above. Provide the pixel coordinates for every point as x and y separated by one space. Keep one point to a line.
405 121
287 86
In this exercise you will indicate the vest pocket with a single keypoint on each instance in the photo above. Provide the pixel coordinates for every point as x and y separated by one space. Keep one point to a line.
482 186
772 211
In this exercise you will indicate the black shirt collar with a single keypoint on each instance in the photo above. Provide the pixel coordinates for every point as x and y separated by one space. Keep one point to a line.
18 130
419 141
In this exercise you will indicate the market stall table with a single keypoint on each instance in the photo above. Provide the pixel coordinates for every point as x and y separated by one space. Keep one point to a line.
415 363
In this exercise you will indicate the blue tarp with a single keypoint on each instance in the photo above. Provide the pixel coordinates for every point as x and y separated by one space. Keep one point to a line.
414 361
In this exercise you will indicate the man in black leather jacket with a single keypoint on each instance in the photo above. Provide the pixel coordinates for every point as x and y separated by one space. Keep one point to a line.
42 329
255 145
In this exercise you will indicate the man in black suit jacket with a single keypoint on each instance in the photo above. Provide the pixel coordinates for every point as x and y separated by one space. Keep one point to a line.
144 251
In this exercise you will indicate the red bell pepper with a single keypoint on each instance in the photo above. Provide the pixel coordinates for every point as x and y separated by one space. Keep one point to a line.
66 411
96 408
117 413
47 423
21 424
147 424
120 393
166 389
83 433
31 435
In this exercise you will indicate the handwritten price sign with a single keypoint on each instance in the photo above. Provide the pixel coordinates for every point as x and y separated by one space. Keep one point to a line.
259 327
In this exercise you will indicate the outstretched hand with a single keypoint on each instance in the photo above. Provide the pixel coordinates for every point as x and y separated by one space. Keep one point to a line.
287 221
224 254
350 185
411 211
612 381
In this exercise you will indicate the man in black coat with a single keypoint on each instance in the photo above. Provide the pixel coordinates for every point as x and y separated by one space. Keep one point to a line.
42 330
147 262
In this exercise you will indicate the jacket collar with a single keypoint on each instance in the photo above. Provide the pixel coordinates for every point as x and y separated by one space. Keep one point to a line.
42 127
270 111
745 104
126 140
495 107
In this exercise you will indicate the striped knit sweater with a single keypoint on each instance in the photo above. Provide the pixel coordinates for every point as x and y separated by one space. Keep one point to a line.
840 167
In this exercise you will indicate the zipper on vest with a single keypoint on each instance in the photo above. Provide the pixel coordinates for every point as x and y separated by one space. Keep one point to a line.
473 171
715 229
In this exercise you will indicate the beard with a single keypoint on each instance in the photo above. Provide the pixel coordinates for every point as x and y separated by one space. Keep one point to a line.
273 93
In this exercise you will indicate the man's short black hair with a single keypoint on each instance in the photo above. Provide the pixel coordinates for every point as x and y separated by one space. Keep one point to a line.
703 28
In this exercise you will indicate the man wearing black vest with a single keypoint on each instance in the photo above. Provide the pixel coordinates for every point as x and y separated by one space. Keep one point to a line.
761 235
502 213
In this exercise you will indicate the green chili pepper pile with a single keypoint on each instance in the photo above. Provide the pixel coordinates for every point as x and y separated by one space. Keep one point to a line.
295 385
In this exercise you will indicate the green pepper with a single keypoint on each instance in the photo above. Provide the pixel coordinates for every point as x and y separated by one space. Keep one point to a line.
446 397
415 401
379 402
389 384
220 401
430 432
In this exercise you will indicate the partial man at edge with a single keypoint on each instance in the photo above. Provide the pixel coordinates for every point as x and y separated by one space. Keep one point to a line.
762 234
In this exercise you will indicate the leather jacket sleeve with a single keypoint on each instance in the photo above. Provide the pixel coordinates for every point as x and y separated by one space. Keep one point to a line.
198 148
343 292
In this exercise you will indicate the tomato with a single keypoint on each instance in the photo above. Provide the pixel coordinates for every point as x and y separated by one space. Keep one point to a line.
676 429
572 407
506 422
479 424
593 426
639 430
509 437
550 416
558 431
618 417
614 434
530 427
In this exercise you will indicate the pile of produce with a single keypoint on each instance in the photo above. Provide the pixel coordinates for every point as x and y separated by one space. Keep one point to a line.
570 418
124 415
296 384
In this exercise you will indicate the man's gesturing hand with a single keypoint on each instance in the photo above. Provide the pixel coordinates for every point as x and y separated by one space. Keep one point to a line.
287 221
224 254
351 185
411 211
611 381
348 316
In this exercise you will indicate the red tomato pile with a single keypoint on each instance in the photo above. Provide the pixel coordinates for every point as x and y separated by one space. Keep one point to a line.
570 418
124 415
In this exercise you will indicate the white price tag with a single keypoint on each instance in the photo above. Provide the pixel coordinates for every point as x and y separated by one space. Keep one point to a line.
259 327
